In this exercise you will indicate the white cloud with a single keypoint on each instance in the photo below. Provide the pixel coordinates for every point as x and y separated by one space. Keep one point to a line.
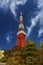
40 3
9 37
33 23
41 17
40 32
4 3
29 30
34 20
21 2
40 6
0 1
12 4
13 8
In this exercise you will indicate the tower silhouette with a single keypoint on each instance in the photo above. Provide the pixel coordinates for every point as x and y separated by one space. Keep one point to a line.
21 35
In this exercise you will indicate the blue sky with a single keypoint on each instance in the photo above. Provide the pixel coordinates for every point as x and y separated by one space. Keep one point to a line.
9 21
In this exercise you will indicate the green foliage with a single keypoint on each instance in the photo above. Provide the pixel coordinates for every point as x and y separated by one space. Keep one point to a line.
12 61
30 53
16 58
41 45
22 56
7 54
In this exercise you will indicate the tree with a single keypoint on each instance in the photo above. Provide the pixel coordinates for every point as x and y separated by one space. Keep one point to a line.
7 54
24 56
12 61
40 53
30 54
16 58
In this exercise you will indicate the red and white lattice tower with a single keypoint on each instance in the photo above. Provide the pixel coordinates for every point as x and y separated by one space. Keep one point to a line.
21 35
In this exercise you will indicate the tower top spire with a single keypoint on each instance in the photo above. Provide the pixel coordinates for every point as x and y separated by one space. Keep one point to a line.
21 26
21 13
21 17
